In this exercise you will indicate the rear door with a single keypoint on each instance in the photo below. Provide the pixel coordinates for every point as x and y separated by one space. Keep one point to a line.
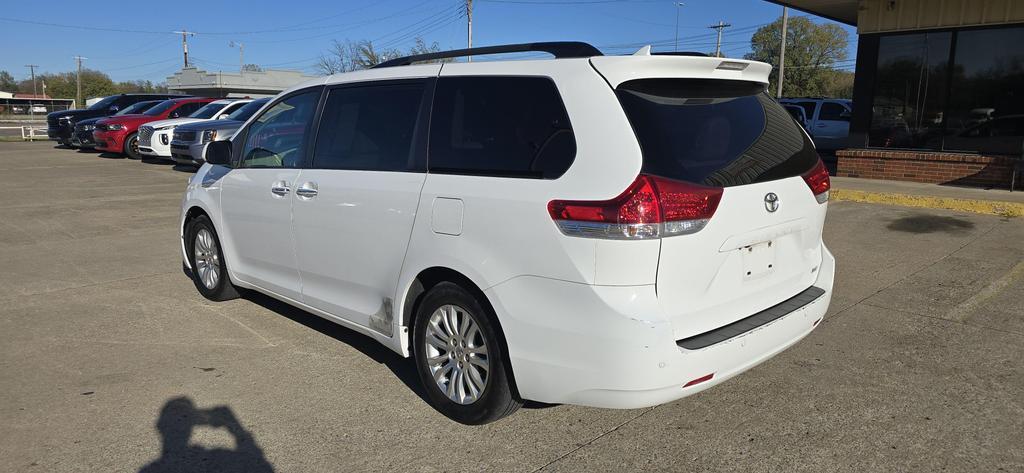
763 243
355 205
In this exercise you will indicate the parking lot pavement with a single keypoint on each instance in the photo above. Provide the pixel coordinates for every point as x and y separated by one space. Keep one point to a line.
110 360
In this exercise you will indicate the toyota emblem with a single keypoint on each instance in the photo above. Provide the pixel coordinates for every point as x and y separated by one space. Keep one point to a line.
771 202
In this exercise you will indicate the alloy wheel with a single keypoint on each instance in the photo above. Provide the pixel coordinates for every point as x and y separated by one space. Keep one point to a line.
207 258
457 354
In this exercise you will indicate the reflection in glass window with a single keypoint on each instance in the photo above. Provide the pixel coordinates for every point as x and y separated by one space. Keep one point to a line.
910 91
986 89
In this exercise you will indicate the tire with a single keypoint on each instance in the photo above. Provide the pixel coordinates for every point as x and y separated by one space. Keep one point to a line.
209 270
131 146
465 360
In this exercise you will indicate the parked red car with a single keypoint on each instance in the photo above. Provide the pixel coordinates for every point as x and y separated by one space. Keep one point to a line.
119 134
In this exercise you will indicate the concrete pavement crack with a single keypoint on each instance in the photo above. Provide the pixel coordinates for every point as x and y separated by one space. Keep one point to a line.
587 443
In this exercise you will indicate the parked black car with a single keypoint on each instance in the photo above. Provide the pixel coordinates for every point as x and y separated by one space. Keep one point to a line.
60 125
82 137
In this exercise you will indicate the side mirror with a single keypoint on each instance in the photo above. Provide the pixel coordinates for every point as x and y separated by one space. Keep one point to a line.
174 115
218 152
114 108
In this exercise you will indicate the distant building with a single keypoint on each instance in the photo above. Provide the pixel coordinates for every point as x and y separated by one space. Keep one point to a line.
937 93
265 83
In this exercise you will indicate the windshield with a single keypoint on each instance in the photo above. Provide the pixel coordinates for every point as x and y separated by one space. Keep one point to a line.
158 110
209 110
138 107
714 132
243 114
102 104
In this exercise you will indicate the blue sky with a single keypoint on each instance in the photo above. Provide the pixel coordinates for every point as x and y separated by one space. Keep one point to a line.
136 43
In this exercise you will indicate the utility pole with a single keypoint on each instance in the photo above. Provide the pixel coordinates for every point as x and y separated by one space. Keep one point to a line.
78 80
32 67
720 26
184 42
782 51
241 56
678 4
469 26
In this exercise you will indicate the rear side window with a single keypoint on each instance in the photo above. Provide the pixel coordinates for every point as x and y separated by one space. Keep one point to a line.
832 111
369 128
500 126
713 132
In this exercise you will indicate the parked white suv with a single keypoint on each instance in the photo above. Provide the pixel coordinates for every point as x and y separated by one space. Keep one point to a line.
155 137
827 120
600 230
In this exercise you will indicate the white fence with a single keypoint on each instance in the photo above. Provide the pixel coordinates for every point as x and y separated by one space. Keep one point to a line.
29 132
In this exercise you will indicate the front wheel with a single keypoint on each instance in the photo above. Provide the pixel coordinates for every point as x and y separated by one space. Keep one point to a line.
209 271
459 357
131 146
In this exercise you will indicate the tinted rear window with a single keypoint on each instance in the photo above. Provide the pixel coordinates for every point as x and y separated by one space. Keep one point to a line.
500 126
713 132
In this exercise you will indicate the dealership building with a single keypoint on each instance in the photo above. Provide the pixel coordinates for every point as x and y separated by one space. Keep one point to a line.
265 83
938 91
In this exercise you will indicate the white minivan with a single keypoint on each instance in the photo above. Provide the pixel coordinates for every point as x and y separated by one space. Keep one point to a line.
611 231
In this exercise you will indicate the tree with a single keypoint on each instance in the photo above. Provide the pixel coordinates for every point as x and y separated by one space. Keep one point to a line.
252 68
7 82
812 51
354 55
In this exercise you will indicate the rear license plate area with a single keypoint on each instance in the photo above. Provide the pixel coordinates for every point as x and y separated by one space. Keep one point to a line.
758 260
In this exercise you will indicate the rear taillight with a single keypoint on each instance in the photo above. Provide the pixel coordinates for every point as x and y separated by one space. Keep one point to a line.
651 207
817 180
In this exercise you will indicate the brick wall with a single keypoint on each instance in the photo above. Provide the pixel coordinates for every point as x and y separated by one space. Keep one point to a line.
924 166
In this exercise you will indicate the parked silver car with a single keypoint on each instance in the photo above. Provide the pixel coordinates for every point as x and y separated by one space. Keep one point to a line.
189 141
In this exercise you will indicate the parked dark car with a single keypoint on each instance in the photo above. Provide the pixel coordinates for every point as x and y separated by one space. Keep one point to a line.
84 128
61 125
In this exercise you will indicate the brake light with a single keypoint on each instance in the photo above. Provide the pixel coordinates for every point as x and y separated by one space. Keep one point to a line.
651 207
817 179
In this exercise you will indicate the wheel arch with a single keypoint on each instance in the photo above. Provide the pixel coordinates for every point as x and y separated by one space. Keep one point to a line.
434 275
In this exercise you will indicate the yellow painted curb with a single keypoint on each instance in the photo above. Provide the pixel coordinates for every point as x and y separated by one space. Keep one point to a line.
989 207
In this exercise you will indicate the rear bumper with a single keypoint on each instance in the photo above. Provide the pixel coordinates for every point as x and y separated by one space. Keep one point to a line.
608 346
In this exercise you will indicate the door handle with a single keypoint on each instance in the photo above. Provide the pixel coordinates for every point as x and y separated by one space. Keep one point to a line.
307 190
280 188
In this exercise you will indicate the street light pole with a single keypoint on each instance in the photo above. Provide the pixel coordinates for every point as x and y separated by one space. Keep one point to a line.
469 27
78 80
678 4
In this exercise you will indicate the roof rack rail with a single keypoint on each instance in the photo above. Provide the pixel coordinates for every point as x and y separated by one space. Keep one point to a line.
559 49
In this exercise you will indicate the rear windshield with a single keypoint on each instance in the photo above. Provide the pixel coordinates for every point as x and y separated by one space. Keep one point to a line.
714 132
208 110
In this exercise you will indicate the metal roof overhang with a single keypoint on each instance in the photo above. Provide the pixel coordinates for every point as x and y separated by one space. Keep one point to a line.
843 11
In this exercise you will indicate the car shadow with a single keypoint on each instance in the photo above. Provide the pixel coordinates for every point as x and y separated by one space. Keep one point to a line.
925 223
403 368
106 155
162 162
185 168
179 417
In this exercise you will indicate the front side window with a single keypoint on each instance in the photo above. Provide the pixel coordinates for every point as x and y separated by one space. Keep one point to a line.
500 126
277 138
369 128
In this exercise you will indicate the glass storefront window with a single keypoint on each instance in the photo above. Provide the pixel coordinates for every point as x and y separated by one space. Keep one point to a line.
920 102
986 98
910 91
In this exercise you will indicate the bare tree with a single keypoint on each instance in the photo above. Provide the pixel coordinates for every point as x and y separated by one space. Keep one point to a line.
354 55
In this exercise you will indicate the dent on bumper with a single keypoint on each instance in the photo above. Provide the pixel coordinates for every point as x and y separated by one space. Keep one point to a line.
590 345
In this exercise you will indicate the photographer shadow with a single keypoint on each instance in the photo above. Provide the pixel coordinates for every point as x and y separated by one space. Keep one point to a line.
179 417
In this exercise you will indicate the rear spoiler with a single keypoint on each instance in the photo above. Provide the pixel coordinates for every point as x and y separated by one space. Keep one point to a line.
619 69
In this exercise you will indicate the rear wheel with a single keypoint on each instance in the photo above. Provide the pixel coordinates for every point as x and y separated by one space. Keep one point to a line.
131 146
460 359
209 271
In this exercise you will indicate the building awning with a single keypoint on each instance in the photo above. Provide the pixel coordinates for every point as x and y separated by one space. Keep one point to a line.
843 11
